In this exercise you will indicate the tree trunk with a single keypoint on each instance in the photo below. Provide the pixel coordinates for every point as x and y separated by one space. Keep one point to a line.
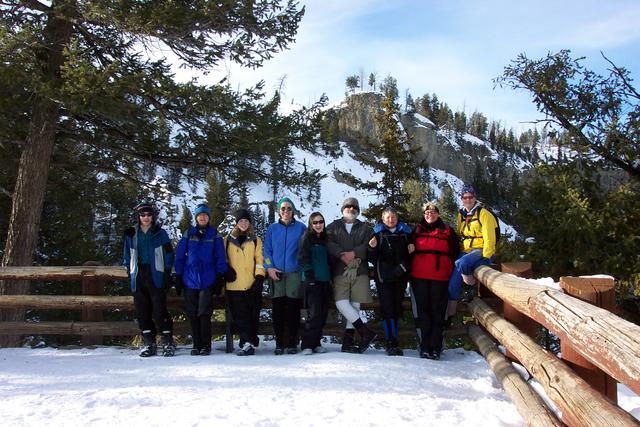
33 170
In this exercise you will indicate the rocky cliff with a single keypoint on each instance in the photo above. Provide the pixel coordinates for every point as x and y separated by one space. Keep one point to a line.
464 156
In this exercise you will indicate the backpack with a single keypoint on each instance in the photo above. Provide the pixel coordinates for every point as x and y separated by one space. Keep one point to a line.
498 233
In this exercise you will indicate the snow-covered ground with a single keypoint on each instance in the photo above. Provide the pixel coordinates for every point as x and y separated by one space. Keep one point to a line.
113 386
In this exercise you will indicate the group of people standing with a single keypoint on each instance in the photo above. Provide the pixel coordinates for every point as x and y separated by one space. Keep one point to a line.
308 266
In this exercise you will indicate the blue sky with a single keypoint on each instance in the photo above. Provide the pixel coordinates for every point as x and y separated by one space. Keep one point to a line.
452 48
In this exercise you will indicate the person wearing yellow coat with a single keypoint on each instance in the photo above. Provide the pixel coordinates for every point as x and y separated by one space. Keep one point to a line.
244 280
477 230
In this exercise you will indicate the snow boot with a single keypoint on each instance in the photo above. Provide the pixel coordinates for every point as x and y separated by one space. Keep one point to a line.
206 351
367 336
246 350
168 346
393 348
149 347
347 342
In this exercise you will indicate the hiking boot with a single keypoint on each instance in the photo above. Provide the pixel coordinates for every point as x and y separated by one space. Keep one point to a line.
168 346
367 336
319 349
279 351
204 352
394 351
307 352
434 355
424 354
149 347
347 342
246 350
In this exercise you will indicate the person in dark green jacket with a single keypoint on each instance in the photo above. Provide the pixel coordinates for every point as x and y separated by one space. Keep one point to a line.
313 259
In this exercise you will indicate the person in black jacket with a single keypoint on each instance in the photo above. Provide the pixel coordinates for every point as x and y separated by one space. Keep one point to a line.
388 252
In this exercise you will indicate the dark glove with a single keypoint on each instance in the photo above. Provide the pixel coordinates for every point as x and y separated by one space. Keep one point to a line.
178 284
230 275
257 283
217 287
401 271
166 279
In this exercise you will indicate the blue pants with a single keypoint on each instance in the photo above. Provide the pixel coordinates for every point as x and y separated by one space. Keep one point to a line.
465 265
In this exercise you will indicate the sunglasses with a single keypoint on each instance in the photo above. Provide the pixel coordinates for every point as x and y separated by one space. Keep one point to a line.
351 207
285 209
320 221
142 215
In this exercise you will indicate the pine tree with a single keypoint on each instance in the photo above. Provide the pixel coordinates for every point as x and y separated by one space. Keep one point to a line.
218 197
186 220
448 206
372 81
93 100
352 83
392 157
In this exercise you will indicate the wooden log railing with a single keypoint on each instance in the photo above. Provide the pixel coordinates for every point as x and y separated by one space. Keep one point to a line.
125 303
603 339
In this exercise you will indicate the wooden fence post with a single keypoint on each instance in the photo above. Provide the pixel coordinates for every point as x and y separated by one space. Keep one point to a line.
519 320
601 293
91 285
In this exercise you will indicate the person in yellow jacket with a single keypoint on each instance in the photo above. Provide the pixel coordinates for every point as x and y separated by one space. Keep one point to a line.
477 230
244 280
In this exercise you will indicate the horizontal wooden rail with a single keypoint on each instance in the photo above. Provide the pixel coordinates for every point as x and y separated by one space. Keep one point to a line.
604 339
528 403
129 328
77 302
581 405
62 273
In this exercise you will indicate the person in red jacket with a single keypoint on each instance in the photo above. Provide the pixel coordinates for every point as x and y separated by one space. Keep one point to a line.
434 246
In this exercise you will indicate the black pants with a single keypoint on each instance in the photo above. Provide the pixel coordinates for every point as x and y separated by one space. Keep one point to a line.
148 301
199 307
390 295
317 298
286 320
245 313
429 309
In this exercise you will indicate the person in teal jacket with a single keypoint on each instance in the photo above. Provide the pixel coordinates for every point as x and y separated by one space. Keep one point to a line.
200 267
316 280
281 261
148 256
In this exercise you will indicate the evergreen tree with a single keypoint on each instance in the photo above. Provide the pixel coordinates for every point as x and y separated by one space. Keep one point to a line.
393 157
600 113
218 197
448 206
91 98
186 220
352 83
372 81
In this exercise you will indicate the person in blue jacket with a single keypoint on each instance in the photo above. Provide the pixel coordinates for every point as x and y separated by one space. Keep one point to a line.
281 260
148 256
200 268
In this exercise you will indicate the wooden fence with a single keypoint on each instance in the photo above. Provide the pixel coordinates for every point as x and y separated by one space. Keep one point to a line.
92 303
598 348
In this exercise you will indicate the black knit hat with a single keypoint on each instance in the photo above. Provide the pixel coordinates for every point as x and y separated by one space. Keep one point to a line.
145 207
243 214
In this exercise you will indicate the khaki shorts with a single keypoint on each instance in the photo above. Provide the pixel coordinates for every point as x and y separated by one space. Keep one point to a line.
356 291
290 286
